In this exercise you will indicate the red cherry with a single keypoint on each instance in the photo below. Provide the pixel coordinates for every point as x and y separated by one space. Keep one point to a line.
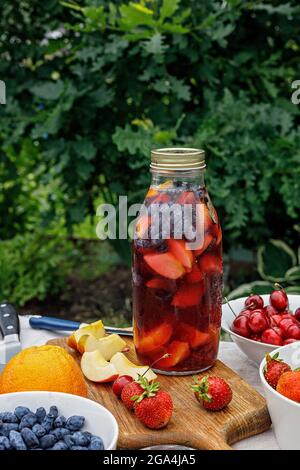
276 319
272 336
254 301
269 310
297 314
293 331
289 341
240 326
284 325
258 321
256 338
245 313
279 299
120 383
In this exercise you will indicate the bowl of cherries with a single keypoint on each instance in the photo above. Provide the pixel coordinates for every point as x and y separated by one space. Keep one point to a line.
258 324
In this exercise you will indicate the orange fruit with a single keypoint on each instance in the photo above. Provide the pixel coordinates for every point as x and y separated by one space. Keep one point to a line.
48 368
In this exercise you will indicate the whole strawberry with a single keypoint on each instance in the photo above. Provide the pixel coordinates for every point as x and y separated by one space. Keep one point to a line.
212 392
274 368
155 412
131 390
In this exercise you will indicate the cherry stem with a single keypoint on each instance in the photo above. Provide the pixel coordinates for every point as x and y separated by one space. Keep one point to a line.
278 286
157 360
228 303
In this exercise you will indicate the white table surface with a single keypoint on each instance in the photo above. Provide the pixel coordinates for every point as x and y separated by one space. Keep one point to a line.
228 353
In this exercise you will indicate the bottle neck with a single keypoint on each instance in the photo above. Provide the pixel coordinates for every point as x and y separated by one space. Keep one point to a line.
192 177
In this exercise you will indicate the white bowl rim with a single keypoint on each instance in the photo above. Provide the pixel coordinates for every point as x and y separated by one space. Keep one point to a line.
78 398
258 343
271 389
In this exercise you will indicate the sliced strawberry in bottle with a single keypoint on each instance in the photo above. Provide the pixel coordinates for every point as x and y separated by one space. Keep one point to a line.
203 244
178 350
188 295
191 335
178 249
149 341
161 198
165 264
209 263
162 284
195 275
187 197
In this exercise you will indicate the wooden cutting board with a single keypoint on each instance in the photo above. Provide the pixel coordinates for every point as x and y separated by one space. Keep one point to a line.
191 425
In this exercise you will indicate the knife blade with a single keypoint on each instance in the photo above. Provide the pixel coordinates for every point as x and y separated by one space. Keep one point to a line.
10 331
59 324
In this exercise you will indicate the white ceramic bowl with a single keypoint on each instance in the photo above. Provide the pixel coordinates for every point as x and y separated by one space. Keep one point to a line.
285 413
98 420
254 350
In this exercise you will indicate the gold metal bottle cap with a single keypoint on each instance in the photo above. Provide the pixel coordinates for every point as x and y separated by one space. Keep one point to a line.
180 159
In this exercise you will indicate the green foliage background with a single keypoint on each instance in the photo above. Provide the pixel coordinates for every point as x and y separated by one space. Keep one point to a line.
93 85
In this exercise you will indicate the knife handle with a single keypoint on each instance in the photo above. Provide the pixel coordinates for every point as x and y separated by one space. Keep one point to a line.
9 320
51 323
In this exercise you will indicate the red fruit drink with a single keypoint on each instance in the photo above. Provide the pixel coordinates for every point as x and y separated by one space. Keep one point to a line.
177 274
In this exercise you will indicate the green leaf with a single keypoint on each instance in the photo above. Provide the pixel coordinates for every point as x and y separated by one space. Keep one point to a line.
85 148
155 45
168 8
292 290
180 89
135 14
274 259
48 90
256 287
293 274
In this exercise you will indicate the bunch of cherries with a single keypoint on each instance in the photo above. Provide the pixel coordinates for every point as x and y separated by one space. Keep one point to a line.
272 324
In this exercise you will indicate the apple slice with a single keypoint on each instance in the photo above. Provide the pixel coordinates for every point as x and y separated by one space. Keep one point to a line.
191 335
178 249
142 226
165 264
95 329
107 346
153 339
178 350
188 295
125 367
97 369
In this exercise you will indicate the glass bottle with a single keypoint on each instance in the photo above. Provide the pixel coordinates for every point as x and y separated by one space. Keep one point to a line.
177 267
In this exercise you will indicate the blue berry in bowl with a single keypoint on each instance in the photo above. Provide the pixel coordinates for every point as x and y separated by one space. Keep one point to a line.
47 441
28 421
96 443
16 441
60 445
8 417
75 423
21 411
60 433
53 412
5 428
47 423
4 441
80 439
29 438
38 430
60 422
40 414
